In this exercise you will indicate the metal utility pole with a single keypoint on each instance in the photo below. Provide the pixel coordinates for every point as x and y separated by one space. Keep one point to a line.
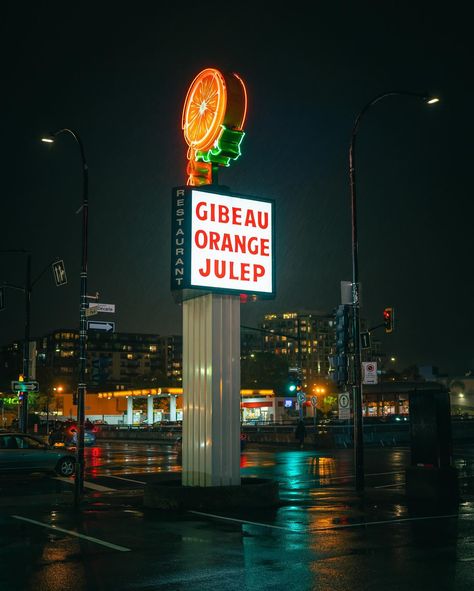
300 369
28 290
26 345
357 369
81 386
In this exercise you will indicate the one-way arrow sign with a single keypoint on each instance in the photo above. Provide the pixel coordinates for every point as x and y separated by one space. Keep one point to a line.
25 386
104 326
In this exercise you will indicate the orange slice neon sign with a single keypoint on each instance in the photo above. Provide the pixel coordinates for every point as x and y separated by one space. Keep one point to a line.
213 117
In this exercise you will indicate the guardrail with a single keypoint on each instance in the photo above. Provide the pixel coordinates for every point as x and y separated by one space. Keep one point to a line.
324 435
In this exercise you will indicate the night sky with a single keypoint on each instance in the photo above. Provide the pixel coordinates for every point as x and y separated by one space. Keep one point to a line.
119 77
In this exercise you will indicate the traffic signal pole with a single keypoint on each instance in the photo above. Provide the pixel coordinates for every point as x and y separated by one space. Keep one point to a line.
26 346
357 369
300 370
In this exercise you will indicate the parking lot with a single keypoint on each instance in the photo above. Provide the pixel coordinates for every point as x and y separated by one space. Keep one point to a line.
322 536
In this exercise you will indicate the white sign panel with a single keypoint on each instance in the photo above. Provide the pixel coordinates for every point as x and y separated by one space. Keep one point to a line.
344 404
231 243
102 326
108 308
369 372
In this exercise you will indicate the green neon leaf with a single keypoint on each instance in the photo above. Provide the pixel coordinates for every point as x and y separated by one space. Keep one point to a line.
227 148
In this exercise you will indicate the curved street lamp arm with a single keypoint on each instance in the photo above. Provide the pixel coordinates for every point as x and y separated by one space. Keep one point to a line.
77 137
12 286
421 95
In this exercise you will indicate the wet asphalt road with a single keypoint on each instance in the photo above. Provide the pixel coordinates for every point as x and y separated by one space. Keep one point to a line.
322 537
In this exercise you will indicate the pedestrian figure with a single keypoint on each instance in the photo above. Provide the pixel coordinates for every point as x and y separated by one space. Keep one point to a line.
56 436
300 433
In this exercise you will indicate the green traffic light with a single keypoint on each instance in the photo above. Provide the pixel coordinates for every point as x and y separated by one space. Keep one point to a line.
292 387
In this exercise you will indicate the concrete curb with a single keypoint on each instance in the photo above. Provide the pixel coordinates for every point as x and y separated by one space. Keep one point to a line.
172 495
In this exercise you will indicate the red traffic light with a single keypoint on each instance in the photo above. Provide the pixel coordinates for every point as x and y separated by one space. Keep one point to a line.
388 318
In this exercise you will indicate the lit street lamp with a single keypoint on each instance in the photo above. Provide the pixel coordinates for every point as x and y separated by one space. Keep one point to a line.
81 386
357 377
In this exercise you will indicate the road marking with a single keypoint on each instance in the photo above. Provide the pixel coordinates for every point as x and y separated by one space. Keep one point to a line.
389 485
245 521
87 484
326 528
128 479
385 522
73 533
352 475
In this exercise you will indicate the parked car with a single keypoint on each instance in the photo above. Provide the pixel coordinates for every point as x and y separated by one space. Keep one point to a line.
20 452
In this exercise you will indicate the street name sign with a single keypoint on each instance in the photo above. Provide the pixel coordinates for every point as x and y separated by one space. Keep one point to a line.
107 308
18 386
102 326
91 311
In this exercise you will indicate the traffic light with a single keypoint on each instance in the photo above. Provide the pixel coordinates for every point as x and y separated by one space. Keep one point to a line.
21 393
342 329
388 319
294 382
339 369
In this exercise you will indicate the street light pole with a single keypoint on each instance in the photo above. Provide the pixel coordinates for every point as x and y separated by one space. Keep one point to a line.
26 344
357 369
23 413
81 386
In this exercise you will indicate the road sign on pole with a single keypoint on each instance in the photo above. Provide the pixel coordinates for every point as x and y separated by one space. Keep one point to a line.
301 396
102 326
108 308
365 340
369 372
314 401
59 272
19 386
91 311
344 406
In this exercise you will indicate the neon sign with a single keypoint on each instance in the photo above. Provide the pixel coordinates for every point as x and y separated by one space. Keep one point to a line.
214 113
